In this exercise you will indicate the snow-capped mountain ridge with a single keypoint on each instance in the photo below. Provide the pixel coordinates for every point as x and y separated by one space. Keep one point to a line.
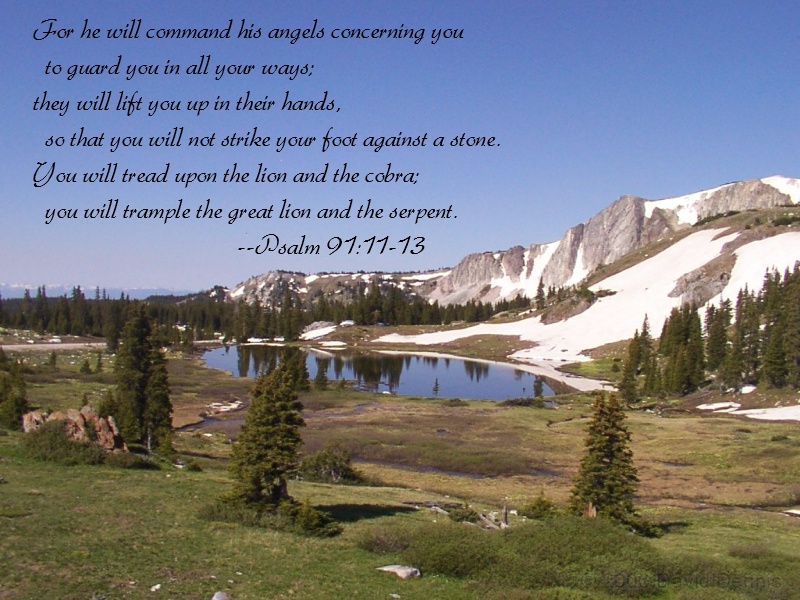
626 225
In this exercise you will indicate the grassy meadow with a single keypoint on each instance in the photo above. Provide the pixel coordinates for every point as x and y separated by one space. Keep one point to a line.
715 483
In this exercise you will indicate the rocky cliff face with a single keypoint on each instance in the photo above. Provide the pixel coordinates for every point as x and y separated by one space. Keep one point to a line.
625 225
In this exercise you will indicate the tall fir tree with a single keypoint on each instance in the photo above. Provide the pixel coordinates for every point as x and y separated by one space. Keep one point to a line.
266 453
607 478
142 405
628 389
157 415
13 393
540 298
792 332
718 319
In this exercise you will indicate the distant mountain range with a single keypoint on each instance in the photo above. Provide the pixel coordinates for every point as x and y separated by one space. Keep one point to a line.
17 290
626 225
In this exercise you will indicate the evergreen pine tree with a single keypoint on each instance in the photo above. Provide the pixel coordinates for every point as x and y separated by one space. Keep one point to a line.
748 332
540 298
732 370
774 368
607 477
13 395
627 385
157 414
645 347
266 453
717 322
142 404
792 332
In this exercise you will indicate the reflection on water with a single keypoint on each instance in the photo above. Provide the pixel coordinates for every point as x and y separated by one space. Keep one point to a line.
395 373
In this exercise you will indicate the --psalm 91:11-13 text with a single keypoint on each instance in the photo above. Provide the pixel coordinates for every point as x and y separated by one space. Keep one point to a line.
271 242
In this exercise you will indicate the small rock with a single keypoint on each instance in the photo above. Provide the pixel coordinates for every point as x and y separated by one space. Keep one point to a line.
156 587
402 571
220 596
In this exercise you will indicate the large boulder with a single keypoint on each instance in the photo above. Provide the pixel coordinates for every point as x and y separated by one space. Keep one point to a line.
83 425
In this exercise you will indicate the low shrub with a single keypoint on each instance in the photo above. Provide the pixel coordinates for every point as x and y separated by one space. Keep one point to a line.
307 520
455 402
386 539
129 460
464 514
539 508
452 550
287 516
51 443
330 465
193 467
527 401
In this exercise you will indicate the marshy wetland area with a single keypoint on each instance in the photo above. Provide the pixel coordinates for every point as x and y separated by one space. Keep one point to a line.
716 486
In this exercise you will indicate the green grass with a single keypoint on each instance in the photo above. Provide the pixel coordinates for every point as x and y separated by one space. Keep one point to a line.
70 532
716 483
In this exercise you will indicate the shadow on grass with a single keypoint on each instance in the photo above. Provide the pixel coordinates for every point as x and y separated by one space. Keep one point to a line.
673 526
350 513
197 454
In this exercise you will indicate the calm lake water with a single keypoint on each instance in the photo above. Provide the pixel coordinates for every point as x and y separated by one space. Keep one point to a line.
405 374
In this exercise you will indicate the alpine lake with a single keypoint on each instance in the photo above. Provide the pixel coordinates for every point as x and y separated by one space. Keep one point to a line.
391 373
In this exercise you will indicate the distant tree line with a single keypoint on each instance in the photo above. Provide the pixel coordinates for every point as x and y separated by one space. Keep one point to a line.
201 316
754 341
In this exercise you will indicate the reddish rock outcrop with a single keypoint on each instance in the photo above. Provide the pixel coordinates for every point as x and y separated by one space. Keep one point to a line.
82 425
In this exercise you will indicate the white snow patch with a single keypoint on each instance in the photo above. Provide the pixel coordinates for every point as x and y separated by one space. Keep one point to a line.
302 290
720 405
237 292
527 284
747 389
541 261
426 276
318 333
579 271
685 207
640 290
779 251
785 185
311 279
781 413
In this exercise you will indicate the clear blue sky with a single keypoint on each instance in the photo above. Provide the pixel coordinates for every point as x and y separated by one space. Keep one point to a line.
588 101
